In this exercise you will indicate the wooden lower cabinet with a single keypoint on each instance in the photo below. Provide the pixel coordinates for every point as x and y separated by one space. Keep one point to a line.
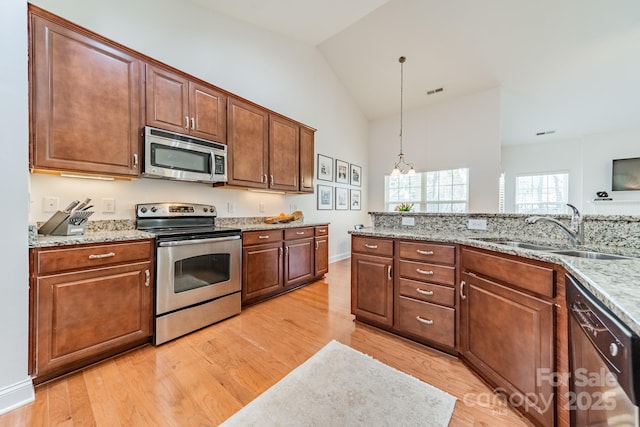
372 288
278 260
507 336
84 314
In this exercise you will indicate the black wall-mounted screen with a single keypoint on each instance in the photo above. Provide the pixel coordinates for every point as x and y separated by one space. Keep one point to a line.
626 174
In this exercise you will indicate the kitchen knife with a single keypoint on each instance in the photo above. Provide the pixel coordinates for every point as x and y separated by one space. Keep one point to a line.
83 204
86 208
71 206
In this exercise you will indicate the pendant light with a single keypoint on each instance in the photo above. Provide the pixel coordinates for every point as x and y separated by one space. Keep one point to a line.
401 166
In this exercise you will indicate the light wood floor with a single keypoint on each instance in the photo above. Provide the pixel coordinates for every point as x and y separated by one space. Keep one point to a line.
205 377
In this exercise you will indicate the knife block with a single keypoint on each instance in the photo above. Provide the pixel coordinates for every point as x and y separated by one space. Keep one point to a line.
59 224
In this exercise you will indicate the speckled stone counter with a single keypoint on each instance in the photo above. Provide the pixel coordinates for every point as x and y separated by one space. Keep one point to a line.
614 282
257 223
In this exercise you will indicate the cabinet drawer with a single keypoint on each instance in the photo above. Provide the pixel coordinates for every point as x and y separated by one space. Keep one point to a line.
427 252
372 245
428 321
57 260
428 292
260 237
530 277
427 272
322 231
298 233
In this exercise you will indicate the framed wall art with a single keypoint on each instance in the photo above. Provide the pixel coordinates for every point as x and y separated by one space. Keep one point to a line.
342 198
355 200
325 197
325 168
342 172
355 174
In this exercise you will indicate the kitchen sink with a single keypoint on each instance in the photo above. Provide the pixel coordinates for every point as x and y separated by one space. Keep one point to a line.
590 254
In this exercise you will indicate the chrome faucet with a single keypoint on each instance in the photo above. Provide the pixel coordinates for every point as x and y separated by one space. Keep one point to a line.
575 230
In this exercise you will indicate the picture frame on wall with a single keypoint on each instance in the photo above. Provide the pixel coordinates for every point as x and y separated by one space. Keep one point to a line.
355 175
342 172
325 168
325 197
342 198
355 200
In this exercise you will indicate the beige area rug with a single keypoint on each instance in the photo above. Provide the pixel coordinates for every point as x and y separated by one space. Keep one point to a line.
339 386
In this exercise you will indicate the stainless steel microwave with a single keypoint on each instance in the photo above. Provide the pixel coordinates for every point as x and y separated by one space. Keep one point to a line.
180 157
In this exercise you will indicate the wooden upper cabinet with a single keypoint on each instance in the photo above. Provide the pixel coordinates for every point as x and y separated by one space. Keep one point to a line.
85 101
248 144
284 153
307 159
178 104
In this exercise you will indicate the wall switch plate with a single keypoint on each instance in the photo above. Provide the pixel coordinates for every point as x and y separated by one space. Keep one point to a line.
261 207
108 205
408 220
50 204
231 207
477 224
293 207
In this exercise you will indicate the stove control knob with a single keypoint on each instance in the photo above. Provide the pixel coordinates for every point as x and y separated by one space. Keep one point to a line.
205 210
143 209
154 209
614 349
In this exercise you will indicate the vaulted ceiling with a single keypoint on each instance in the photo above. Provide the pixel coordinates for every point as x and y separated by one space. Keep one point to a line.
569 66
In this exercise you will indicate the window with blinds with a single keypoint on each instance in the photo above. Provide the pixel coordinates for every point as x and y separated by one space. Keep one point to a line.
435 191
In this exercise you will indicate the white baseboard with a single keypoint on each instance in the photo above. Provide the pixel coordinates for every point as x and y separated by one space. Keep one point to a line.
339 257
16 395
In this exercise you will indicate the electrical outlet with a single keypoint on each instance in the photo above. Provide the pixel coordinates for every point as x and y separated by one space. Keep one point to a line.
477 224
408 220
231 207
50 204
108 205
261 207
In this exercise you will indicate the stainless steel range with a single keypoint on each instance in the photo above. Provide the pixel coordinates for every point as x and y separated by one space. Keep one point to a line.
198 267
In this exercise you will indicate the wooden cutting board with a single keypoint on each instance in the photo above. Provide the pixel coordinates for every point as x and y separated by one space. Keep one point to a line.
282 218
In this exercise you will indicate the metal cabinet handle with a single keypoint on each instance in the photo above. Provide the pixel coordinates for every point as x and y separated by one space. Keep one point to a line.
193 123
135 160
300 233
322 230
316 245
286 250
263 237
366 245
272 180
389 272
423 320
265 178
421 252
280 252
424 292
462 285
424 272
99 256
186 122
147 278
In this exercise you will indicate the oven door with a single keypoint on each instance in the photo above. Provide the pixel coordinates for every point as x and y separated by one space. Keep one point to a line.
194 271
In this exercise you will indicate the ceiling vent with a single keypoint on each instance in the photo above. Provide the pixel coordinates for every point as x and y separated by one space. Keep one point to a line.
434 91
548 132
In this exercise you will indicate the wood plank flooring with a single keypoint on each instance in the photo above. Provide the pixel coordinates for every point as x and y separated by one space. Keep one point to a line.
205 377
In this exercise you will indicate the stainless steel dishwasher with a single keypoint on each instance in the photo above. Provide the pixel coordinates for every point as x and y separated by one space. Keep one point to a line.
604 357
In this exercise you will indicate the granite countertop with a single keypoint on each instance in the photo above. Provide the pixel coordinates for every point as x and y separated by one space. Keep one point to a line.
258 227
616 283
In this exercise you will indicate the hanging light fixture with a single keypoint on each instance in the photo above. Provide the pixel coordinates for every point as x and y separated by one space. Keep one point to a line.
401 166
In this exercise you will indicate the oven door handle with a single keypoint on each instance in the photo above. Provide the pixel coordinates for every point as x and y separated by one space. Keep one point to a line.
199 241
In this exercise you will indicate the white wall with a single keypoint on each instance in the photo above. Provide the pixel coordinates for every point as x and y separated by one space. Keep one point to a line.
464 132
15 384
281 74
588 161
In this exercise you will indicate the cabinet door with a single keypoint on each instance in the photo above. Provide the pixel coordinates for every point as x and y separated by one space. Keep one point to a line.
322 256
247 141
284 154
85 103
299 255
207 108
372 288
508 337
261 270
81 316
307 160
167 100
